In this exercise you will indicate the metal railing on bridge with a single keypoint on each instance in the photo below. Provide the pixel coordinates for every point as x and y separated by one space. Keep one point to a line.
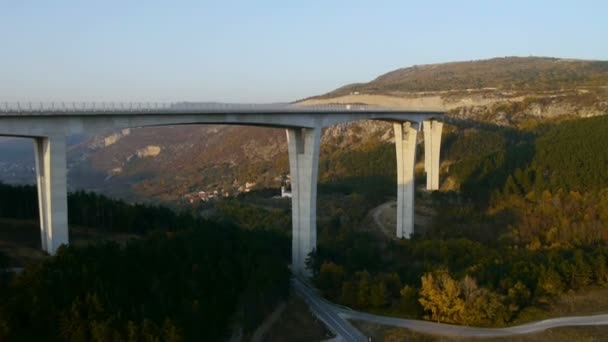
51 108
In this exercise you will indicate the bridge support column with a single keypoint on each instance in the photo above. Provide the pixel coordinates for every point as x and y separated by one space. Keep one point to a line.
51 178
303 146
432 149
405 145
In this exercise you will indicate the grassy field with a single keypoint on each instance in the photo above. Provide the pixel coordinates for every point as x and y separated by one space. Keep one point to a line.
588 301
567 334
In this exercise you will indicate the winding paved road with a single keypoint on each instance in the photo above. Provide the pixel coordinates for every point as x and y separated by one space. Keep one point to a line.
336 318
327 313
464 331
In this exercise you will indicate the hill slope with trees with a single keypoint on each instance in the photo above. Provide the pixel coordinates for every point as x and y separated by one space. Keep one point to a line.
528 224
186 279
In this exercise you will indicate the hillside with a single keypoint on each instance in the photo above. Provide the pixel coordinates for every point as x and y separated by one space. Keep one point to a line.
526 228
506 91
180 278
509 73
167 163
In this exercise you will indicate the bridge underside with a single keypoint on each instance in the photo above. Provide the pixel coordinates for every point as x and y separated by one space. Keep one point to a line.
303 138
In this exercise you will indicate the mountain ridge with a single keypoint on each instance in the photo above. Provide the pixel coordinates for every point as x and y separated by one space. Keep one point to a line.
505 73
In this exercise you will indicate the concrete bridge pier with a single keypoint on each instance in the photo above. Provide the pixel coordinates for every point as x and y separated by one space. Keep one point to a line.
405 146
50 153
432 150
303 146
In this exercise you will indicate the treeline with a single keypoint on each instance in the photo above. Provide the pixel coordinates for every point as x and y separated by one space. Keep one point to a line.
567 156
190 285
256 210
563 219
370 171
570 156
549 192
95 211
189 279
18 201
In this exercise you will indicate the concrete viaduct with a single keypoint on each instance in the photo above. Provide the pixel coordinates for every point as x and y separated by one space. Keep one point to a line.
49 125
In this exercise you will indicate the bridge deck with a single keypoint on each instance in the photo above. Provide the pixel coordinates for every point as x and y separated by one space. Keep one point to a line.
147 108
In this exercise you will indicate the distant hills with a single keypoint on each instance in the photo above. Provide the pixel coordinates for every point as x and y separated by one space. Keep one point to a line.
503 91
508 73
165 163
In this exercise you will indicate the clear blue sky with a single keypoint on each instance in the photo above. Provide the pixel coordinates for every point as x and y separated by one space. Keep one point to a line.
262 51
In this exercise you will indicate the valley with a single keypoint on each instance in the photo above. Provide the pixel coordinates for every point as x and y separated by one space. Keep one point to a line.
517 228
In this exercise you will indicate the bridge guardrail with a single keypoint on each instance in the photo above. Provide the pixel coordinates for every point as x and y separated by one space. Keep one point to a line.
50 108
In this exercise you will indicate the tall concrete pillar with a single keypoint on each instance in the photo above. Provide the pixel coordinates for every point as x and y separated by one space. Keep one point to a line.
405 145
432 150
52 191
303 146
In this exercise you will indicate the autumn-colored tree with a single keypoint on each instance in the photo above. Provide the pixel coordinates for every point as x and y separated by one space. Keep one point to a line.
482 307
440 295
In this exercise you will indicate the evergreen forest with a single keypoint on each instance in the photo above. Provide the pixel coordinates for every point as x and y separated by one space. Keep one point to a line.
186 279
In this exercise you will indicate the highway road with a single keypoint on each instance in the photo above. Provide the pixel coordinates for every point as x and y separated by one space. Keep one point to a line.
327 313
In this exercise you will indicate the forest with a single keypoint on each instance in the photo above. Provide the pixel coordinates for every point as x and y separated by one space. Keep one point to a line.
528 224
524 222
187 279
